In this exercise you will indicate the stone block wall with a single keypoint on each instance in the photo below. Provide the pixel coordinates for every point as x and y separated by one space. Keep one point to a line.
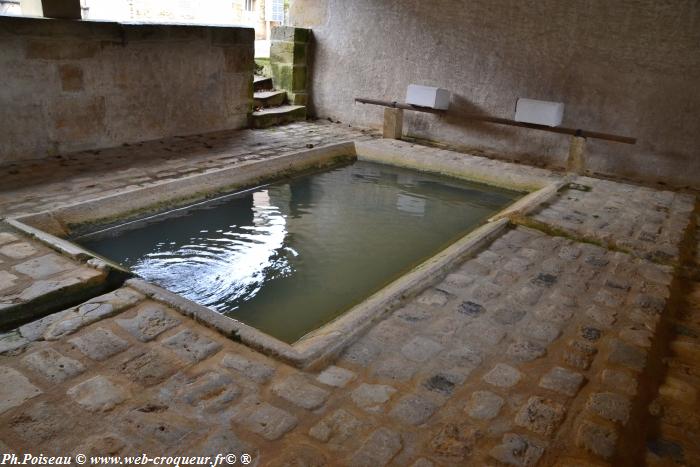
77 85
629 67
289 49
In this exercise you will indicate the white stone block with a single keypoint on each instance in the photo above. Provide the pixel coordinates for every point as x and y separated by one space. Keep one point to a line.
428 96
539 112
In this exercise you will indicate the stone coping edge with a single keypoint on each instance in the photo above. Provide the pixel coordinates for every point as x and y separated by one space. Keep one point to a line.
317 348
324 343
76 217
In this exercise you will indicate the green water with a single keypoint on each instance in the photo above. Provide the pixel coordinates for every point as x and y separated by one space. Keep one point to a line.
289 257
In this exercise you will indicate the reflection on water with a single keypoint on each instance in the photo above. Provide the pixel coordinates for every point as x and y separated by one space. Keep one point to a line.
291 256
224 267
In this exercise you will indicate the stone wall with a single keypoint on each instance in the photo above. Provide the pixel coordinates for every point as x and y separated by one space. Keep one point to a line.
629 67
76 85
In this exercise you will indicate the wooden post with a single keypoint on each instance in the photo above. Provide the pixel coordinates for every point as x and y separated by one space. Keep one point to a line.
393 123
576 162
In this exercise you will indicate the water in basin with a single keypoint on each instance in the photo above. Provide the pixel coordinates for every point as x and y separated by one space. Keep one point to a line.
291 256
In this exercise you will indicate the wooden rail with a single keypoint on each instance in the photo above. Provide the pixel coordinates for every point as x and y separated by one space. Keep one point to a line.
505 121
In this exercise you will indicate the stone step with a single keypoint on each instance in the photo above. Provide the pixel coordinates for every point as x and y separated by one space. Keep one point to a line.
278 115
262 83
269 98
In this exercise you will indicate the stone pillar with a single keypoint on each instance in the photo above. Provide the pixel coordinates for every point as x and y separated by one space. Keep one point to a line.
66 9
393 123
289 49
576 162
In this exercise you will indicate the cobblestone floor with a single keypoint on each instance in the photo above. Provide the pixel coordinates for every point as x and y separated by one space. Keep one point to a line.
29 270
534 351
90 174
643 221
674 435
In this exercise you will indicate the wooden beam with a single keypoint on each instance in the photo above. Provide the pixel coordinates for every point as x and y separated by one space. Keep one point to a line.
505 121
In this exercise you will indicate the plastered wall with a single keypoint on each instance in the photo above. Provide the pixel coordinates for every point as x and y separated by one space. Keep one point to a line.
74 85
630 67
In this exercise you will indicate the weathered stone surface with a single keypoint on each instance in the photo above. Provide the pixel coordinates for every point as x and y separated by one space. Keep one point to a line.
63 283
525 351
41 422
619 381
611 406
590 333
7 280
36 329
389 332
555 313
19 250
562 381
99 344
508 315
455 442
484 405
379 448
598 439
147 367
470 308
150 321
52 365
396 368
335 376
458 280
528 295
604 317
420 349
483 330
540 415
257 370
15 389
503 376
262 418
337 428
372 397
467 356
517 265
362 353
626 355
44 266
541 331
11 342
443 383
517 450
54 327
579 354
6 237
191 346
422 462
413 409
433 297
98 394
211 390
636 336
160 426
504 298
297 390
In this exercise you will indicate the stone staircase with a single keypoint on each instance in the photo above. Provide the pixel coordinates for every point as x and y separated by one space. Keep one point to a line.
271 107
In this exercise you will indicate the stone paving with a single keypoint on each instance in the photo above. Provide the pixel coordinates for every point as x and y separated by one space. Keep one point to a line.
30 272
534 352
535 342
86 175
674 435
645 222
